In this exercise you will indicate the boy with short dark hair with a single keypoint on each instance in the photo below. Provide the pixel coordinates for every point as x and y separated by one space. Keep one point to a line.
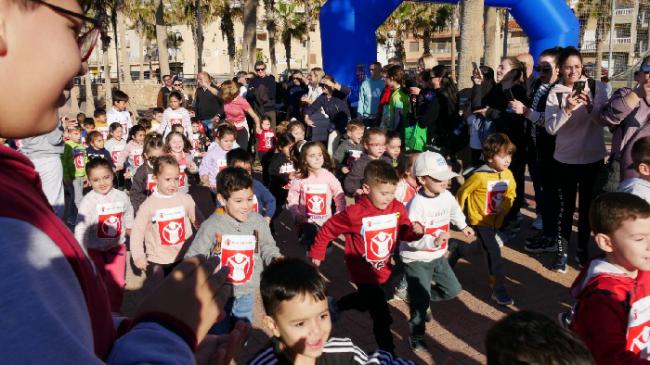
350 148
372 229
612 313
156 118
119 114
374 146
531 338
293 292
241 238
96 149
639 186
488 195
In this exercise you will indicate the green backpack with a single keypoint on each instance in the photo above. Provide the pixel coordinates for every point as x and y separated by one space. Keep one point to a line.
416 138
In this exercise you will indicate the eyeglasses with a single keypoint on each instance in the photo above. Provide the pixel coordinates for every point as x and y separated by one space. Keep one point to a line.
259 69
542 69
89 32
178 84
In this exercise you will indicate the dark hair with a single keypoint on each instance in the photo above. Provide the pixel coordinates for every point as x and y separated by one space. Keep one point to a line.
284 140
406 161
187 145
135 129
641 151
145 122
397 74
92 135
89 121
238 155
286 278
608 211
260 63
303 168
380 172
552 52
157 110
194 120
119 95
224 129
497 143
391 135
233 179
178 128
99 112
159 163
372 132
566 53
98 162
81 114
113 127
176 95
152 142
447 85
531 338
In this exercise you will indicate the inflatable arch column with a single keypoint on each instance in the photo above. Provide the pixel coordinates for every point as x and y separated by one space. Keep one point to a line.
348 30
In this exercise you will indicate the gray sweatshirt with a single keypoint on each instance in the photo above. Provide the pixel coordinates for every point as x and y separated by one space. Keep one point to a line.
223 224
46 145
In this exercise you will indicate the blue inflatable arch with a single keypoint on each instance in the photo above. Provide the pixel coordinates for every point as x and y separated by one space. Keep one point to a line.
348 29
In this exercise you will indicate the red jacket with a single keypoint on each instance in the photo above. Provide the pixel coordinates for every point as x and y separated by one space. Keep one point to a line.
612 314
367 251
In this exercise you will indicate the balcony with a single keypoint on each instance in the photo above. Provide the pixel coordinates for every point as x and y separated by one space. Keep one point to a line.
623 16
622 40
588 46
625 11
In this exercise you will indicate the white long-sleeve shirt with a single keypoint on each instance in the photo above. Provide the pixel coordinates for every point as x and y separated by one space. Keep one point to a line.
103 219
123 117
171 117
435 214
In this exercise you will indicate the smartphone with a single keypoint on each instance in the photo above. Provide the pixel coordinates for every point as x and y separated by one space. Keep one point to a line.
578 87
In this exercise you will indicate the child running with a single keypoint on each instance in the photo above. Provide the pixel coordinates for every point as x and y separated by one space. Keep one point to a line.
95 148
372 228
488 195
114 143
374 146
350 148
408 184
175 114
163 223
179 147
393 147
132 153
74 173
312 191
119 114
143 182
105 217
215 160
242 240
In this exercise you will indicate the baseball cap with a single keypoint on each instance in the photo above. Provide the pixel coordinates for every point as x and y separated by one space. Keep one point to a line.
433 164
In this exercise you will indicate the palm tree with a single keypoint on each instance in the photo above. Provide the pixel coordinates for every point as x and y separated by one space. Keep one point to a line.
471 40
161 38
108 96
124 55
292 27
271 27
196 14
90 100
445 18
491 54
250 33
227 13
399 22
423 23
142 16
312 10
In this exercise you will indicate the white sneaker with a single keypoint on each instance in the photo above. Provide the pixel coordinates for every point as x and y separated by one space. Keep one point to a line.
537 223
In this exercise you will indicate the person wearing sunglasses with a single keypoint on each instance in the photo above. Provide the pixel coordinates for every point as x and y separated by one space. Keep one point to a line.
264 84
165 89
628 113
54 306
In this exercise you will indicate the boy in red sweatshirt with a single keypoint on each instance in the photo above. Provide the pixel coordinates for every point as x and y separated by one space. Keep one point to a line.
612 313
372 229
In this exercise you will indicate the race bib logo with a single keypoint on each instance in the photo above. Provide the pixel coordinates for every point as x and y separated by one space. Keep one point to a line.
379 234
495 193
256 206
316 199
287 168
196 143
136 155
182 177
353 155
268 140
115 154
221 164
171 225
238 253
638 328
175 119
109 220
151 183
79 159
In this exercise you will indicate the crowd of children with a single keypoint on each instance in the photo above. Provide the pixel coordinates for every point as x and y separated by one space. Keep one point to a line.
131 182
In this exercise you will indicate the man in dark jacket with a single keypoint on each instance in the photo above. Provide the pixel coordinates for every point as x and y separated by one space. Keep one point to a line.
268 81
163 94
207 103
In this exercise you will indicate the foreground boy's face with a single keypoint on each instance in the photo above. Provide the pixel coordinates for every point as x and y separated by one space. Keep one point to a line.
167 180
500 161
303 324
631 245
101 180
376 145
381 195
239 204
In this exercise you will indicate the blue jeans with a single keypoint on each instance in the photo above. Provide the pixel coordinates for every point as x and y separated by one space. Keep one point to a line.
237 309
207 125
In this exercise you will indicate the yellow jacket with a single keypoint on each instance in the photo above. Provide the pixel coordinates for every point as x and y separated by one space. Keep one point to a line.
488 195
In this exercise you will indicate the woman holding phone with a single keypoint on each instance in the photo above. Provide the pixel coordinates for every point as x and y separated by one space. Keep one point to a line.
573 116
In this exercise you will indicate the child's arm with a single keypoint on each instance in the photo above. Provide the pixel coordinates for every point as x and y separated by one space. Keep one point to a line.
163 123
459 219
138 193
293 201
204 238
128 215
193 212
466 190
337 194
123 156
142 221
187 124
333 228
407 230
353 179
68 163
268 201
509 196
339 154
83 222
268 249
204 168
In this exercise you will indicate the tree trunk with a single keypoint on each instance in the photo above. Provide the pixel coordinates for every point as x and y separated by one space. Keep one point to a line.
308 11
90 99
269 6
250 34
198 36
124 55
400 53
161 39
600 30
228 30
471 40
426 40
108 98
286 39
143 51
491 55
454 21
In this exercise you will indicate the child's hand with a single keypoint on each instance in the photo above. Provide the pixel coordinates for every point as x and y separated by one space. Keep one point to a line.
345 170
468 232
141 263
418 228
127 175
316 262
359 192
268 220
442 239
221 349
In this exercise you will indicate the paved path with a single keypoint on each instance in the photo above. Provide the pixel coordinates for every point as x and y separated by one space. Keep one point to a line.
459 325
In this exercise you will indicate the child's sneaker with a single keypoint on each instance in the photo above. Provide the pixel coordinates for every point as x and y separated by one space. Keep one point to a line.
400 294
503 237
560 263
429 316
543 244
502 297
417 344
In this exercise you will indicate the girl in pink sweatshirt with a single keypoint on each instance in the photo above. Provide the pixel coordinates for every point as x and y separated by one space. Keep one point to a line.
311 192
132 153
179 147
215 160
164 222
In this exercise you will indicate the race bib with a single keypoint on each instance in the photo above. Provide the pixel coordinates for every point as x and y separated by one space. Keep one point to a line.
79 158
316 200
221 164
103 131
151 183
495 192
175 119
171 225
268 139
115 153
287 168
433 228
182 176
196 142
256 206
379 234
136 156
353 155
638 328
109 220
238 253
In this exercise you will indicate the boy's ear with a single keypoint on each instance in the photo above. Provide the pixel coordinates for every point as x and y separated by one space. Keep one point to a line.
604 242
3 34
420 180
221 200
365 188
271 325
644 169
